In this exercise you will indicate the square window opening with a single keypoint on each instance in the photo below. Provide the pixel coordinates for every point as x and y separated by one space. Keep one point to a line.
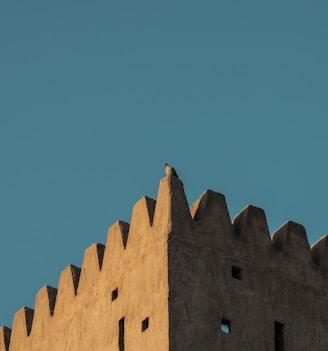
145 324
225 326
236 272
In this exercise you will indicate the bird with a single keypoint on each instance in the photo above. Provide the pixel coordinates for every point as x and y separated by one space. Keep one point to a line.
170 171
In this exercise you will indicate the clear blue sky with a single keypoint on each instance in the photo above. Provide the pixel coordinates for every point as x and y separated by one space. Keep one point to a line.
96 95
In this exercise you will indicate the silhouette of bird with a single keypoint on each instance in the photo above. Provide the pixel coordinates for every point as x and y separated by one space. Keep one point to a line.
170 171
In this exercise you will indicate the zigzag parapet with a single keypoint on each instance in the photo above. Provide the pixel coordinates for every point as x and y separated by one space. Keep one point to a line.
163 280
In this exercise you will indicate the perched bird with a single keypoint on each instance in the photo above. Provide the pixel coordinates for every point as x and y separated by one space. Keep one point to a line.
170 171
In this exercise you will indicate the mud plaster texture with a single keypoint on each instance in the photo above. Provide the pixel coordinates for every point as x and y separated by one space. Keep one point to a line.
174 276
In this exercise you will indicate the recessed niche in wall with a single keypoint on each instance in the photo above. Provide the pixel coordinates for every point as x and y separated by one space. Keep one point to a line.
279 336
115 294
225 326
145 324
121 334
236 272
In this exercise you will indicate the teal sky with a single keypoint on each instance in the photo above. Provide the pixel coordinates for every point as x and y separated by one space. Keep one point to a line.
96 95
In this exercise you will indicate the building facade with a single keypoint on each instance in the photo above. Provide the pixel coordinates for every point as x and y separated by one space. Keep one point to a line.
185 280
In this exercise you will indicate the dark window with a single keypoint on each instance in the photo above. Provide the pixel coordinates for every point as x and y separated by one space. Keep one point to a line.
225 326
279 336
145 324
114 294
236 272
121 334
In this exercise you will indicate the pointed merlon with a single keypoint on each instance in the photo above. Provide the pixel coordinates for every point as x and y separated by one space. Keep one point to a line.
211 207
44 308
5 334
251 227
116 243
23 321
69 280
142 214
211 211
249 219
94 253
46 299
320 252
91 266
118 234
172 208
67 289
170 171
291 239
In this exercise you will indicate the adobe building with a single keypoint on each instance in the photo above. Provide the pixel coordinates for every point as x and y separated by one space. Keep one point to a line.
181 280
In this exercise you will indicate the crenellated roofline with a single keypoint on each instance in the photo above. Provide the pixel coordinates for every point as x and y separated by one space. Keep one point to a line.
248 234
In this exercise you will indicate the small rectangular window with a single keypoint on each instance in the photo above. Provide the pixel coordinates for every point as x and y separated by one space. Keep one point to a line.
225 326
114 294
145 324
279 336
121 334
236 272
